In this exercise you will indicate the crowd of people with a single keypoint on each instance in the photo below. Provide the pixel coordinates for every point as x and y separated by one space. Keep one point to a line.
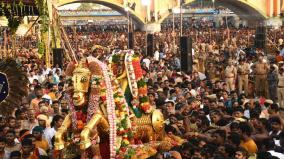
230 106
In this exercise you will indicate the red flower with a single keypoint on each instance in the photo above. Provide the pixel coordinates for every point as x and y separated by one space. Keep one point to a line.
84 118
103 98
145 106
80 124
123 149
142 91
137 69
79 115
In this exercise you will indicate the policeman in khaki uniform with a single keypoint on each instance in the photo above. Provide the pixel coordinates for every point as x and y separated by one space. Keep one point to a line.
261 69
211 71
230 76
243 72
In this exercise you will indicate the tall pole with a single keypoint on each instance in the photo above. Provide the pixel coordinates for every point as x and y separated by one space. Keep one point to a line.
146 37
146 3
5 43
180 17
76 36
174 39
227 24
173 21
128 21
128 29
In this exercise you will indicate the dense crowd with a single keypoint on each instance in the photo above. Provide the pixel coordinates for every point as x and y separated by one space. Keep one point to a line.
230 106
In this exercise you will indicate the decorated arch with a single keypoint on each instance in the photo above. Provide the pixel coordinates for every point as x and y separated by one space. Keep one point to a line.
245 9
117 5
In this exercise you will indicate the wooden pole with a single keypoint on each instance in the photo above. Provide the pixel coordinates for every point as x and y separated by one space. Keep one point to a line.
5 44
47 49
31 27
174 38
180 18
63 35
13 36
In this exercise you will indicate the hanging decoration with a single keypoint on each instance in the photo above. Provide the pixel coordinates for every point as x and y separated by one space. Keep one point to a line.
126 67
43 45
14 11
137 82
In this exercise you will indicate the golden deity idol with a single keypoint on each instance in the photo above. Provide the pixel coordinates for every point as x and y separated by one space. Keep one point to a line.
100 114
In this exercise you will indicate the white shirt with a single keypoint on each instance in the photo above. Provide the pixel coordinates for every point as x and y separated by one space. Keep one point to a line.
49 134
156 56
276 154
277 142
31 79
41 78
46 72
54 69
41 152
147 62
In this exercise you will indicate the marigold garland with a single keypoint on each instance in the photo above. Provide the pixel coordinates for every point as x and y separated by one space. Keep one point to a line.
123 118
141 84
136 82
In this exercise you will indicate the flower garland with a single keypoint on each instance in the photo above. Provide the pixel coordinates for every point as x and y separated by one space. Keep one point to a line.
136 76
78 119
94 98
114 62
131 77
110 108
122 118
93 106
72 109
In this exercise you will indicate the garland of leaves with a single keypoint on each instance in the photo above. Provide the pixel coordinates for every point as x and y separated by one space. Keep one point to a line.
16 9
43 14
44 21
15 12
14 23
41 48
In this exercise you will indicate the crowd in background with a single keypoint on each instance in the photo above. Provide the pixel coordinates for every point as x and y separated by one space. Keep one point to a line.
230 106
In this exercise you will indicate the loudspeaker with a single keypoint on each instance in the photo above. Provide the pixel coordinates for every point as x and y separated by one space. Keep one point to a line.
150 45
130 40
58 57
186 54
260 37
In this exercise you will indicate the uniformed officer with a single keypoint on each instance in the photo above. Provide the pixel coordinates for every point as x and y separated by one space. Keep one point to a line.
211 71
260 70
231 75
243 72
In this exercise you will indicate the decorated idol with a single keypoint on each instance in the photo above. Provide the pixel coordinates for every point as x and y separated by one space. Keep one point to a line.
102 120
